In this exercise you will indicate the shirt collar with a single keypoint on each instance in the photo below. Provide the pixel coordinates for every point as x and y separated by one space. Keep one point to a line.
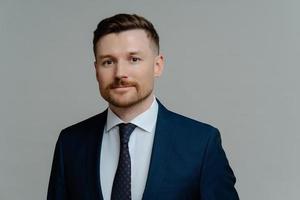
145 120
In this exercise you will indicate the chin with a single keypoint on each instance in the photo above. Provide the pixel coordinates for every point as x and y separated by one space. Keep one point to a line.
126 102
127 99
123 103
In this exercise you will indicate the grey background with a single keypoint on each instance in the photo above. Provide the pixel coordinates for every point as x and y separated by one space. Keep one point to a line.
234 64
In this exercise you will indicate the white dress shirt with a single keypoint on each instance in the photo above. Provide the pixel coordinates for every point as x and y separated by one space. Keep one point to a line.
140 148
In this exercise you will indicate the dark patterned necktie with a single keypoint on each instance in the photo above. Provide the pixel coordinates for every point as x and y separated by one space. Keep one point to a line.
121 189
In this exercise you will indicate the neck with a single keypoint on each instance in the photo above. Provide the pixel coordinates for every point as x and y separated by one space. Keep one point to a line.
129 113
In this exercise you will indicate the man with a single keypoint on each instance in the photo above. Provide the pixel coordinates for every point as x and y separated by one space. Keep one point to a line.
137 149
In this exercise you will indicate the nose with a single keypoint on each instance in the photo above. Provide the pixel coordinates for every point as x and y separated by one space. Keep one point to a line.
120 70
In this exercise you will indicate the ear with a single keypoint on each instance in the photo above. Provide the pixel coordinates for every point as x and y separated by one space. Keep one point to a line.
158 65
96 70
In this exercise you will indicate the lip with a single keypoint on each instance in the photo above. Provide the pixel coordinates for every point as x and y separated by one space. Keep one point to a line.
122 88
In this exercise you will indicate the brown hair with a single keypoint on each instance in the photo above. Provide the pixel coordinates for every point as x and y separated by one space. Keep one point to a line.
123 22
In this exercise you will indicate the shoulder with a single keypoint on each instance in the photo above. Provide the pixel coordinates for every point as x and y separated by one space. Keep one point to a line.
180 120
184 124
85 126
188 122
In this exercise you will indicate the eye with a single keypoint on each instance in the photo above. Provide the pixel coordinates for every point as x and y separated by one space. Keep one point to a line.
134 59
107 63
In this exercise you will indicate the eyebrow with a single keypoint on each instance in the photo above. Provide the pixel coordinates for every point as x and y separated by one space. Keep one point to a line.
111 56
135 52
104 56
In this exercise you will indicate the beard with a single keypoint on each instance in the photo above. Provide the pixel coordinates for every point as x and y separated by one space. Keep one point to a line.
130 98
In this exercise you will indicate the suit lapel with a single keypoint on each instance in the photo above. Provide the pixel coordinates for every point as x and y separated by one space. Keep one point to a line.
94 150
160 153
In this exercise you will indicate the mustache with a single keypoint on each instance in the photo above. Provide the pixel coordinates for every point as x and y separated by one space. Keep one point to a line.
122 83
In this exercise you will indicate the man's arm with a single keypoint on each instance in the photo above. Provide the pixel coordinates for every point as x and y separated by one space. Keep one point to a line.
56 187
217 180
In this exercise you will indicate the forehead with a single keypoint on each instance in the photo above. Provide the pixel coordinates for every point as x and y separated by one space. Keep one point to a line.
130 40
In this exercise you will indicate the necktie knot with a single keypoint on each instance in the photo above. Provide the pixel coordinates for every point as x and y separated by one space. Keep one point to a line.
125 131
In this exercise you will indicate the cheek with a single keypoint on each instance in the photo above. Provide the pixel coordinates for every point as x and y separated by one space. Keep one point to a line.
103 83
147 80
146 72
103 78
149 75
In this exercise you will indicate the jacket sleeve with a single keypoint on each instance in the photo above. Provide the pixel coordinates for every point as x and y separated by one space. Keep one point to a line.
57 186
217 182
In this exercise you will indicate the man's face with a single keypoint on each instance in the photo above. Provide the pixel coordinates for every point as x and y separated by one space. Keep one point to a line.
126 65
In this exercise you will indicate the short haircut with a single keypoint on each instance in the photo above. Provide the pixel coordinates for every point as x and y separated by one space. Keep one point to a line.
124 22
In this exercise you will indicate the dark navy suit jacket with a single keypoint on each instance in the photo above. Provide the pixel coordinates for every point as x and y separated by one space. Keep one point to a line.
187 161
